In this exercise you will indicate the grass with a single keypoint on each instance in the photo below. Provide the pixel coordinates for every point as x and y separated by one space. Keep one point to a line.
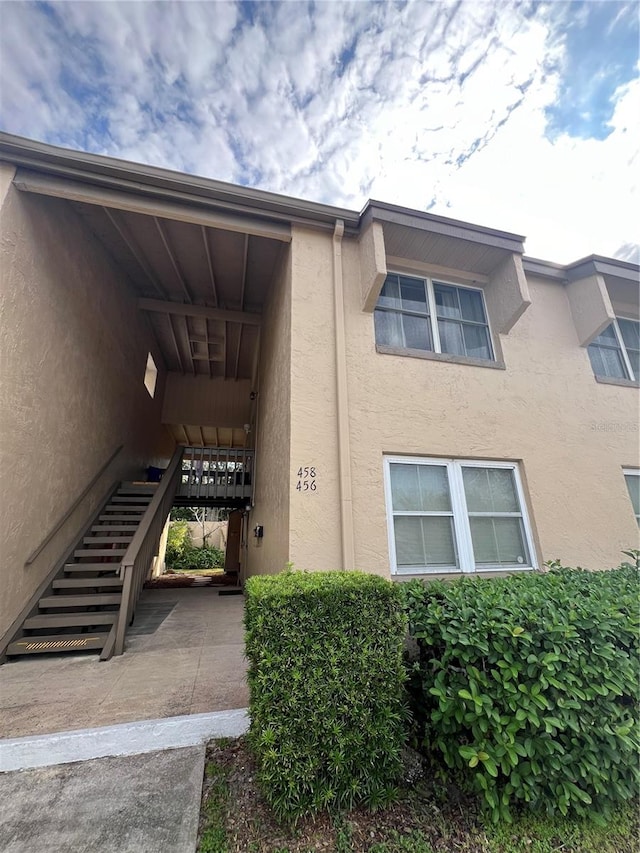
428 818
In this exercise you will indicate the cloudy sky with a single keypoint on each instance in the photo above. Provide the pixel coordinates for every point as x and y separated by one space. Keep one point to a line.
516 115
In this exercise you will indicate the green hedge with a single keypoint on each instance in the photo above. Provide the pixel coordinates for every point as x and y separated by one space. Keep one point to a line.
326 681
529 683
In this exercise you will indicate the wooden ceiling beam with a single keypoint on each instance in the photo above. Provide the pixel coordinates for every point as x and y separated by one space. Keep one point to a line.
179 308
207 249
238 348
172 258
245 256
135 250
175 343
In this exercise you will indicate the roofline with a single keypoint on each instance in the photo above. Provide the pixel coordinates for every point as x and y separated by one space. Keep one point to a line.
423 216
591 265
153 180
102 170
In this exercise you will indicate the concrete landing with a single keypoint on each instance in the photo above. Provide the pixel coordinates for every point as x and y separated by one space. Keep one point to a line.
136 804
184 655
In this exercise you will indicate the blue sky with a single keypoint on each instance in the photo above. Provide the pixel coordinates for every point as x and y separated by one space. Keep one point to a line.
516 115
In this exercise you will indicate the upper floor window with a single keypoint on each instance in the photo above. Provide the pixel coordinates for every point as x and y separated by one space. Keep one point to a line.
423 314
615 353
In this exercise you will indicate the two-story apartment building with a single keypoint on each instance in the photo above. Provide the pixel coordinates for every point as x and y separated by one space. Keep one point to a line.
417 395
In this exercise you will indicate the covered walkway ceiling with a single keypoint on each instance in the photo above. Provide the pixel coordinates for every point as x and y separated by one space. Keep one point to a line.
202 278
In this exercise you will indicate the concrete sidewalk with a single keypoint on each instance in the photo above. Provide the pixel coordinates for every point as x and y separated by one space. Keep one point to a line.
137 789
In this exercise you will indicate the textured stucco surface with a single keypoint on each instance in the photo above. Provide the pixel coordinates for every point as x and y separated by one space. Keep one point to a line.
73 356
315 514
571 434
273 461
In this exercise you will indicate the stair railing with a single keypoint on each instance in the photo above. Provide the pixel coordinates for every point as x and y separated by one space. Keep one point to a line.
136 562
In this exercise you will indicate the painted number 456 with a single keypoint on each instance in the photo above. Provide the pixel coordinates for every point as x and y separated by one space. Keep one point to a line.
306 479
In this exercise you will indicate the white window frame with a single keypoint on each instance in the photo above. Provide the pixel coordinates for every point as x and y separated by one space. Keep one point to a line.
433 316
631 472
623 348
462 531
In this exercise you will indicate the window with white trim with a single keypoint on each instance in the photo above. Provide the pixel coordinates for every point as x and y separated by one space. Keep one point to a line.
435 316
456 515
632 479
615 353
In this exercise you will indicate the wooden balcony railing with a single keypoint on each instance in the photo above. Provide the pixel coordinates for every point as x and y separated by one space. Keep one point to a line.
216 474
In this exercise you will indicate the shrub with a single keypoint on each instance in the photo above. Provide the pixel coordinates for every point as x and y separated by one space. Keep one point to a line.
182 555
530 683
178 540
326 689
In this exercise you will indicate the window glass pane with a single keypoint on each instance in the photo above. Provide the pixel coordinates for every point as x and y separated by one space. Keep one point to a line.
634 358
498 542
633 484
446 301
390 293
451 337
606 361
471 305
630 331
405 490
417 334
413 294
490 490
608 336
424 542
434 488
388 325
476 341
419 488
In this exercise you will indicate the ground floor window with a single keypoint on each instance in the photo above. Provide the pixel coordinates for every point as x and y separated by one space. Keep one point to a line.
456 515
632 478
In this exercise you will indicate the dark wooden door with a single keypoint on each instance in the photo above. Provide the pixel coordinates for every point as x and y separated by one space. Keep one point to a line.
234 537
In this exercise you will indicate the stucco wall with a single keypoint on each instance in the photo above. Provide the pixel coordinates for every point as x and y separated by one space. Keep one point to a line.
571 434
73 356
273 432
315 513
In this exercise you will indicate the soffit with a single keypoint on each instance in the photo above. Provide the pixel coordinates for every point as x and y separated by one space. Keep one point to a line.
186 267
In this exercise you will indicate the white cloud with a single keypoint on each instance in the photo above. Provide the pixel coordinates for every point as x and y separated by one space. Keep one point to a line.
439 101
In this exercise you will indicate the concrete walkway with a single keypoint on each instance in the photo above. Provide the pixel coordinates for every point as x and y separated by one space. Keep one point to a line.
108 757
185 655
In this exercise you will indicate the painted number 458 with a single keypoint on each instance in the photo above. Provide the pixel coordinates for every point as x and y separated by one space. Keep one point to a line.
306 479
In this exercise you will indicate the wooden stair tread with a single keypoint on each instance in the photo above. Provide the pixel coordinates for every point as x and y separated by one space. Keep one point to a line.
89 600
132 518
72 583
104 540
71 620
131 499
57 643
115 528
91 567
100 552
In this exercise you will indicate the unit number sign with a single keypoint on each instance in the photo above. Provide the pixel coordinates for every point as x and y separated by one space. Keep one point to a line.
306 479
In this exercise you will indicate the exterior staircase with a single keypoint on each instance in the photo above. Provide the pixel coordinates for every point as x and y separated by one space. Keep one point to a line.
81 609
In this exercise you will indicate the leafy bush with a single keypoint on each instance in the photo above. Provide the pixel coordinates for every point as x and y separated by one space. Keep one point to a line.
206 557
182 555
178 540
326 682
531 683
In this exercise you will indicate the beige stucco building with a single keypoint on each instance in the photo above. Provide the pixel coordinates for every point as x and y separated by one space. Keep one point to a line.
416 395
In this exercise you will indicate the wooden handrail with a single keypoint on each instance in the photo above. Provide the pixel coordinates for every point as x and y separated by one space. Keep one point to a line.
143 528
141 550
72 508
